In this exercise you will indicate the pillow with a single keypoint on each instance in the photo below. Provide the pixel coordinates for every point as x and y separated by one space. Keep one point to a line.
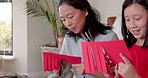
117 27
111 20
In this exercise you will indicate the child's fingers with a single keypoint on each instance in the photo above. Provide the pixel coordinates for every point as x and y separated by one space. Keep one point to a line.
125 59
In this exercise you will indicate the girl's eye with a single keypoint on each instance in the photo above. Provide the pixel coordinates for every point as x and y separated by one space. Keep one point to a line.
127 19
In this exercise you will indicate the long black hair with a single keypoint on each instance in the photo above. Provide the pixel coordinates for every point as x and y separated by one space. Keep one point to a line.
128 36
92 23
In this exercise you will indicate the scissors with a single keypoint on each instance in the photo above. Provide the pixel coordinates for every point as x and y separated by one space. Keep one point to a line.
107 58
110 64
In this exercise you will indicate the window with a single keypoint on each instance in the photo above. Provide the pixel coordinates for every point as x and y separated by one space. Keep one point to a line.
6 27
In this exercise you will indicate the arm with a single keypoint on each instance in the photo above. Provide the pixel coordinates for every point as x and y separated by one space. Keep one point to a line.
63 49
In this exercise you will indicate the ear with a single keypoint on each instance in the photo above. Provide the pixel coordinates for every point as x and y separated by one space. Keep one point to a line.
86 12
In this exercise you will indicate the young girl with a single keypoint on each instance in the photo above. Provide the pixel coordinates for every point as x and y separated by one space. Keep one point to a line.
135 34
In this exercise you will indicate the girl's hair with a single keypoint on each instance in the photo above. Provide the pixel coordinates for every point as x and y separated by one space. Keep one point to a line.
92 23
128 36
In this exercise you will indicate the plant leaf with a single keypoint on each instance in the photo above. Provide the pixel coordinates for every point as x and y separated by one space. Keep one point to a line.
35 8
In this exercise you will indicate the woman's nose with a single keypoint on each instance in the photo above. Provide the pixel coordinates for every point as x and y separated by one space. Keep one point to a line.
68 23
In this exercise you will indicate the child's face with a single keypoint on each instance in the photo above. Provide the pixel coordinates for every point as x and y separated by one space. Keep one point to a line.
136 17
73 19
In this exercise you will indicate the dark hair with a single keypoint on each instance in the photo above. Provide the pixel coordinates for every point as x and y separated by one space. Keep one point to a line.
92 23
128 36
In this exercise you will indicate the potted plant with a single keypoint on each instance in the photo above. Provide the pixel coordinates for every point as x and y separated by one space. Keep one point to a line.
47 9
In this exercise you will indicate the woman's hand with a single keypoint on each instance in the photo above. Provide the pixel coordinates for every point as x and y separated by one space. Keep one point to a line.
101 75
126 69
79 68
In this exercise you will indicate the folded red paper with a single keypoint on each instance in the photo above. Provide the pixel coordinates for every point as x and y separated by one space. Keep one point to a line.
52 60
97 54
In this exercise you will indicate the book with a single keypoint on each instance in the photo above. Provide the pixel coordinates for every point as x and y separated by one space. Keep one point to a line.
53 61
98 54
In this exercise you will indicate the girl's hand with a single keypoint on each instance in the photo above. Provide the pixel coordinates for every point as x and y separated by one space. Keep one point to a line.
126 69
79 68
115 75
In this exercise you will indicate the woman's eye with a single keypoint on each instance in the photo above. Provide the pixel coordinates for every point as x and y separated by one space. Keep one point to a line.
137 18
70 17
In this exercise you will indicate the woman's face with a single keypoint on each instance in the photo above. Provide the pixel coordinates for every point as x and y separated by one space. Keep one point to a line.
136 17
73 19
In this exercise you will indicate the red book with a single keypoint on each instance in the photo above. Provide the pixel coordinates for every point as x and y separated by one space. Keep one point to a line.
98 54
52 61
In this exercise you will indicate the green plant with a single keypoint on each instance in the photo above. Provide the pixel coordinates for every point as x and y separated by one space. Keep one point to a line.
5 36
46 9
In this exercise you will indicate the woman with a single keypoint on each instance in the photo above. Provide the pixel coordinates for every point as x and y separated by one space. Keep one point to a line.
82 25
135 34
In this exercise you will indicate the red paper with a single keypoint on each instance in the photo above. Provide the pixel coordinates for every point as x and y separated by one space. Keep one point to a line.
94 59
52 60
114 48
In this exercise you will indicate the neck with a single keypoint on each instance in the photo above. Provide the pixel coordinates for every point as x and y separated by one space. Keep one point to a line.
140 42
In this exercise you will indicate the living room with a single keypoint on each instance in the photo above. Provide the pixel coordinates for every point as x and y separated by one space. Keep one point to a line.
30 33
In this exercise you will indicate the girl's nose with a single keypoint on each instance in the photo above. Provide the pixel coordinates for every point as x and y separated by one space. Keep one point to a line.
132 24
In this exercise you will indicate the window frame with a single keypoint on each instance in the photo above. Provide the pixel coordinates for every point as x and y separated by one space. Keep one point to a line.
8 52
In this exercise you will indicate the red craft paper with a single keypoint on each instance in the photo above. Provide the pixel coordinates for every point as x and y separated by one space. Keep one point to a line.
45 61
92 63
97 57
52 60
93 58
86 58
112 48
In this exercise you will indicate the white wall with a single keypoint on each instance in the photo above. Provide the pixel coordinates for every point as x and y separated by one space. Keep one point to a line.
28 35
19 40
107 8
39 33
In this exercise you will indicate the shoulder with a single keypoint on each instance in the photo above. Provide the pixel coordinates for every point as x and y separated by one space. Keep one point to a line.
67 39
109 35
110 32
65 44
